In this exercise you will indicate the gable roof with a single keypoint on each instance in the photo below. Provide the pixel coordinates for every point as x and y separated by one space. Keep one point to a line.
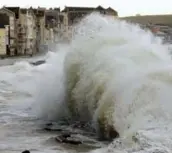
2 10
39 12
72 8
15 10
111 9
99 8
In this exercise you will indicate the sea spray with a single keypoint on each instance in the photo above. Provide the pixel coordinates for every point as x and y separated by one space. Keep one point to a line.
114 74
49 98
109 69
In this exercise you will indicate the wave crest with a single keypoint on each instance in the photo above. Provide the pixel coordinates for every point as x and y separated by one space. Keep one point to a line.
109 69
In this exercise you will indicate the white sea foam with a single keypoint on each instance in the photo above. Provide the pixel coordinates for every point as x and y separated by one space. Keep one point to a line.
120 74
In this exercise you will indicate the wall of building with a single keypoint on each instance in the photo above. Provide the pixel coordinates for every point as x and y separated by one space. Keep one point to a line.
64 28
27 33
52 18
27 30
12 30
46 35
7 27
40 25
21 32
42 30
50 39
110 12
73 15
30 33
49 36
12 35
2 41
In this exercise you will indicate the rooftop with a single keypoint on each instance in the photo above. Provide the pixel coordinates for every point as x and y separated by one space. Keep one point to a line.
15 10
100 8
73 8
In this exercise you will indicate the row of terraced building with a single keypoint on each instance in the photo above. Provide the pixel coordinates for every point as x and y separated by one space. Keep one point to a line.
24 30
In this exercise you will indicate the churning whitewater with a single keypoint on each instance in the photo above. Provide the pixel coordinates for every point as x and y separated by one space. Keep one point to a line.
120 77
113 75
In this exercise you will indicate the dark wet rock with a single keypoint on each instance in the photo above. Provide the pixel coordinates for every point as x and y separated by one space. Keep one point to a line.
52 127
73 134
67 138
79 125
85 126
113 133
69 131
106 133
56 126
63 122
26 151
59 123
66 135
38 62
49 124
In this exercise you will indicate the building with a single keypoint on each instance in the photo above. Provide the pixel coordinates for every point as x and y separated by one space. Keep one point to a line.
52 20
4 34
12 46
76 13
27 32
111 12
3 48
72 15
29 29
49 36
40 24
64 28
52 17
24 30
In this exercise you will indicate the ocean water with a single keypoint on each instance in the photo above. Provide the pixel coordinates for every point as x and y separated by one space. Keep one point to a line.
112 72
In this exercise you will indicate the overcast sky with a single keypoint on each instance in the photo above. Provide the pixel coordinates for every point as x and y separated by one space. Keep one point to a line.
124 7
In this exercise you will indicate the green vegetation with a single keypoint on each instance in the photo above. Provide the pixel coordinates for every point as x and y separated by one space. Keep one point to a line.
154 19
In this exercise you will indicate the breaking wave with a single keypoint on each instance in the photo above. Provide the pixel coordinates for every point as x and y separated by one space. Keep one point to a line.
119 76
115 75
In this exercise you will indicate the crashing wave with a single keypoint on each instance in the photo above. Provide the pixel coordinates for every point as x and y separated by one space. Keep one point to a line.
116 74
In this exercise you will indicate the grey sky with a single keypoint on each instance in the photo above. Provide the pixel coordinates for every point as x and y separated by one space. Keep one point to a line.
124 7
